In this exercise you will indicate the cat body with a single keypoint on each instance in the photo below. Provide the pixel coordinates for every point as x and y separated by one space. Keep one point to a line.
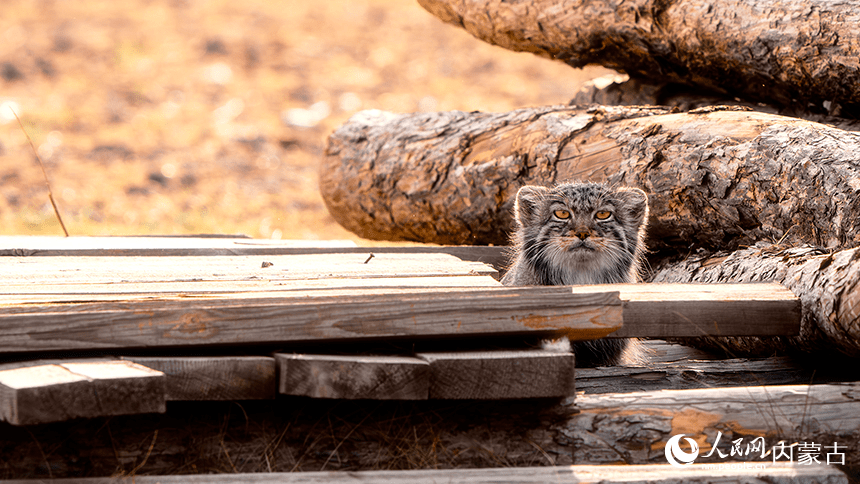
579 233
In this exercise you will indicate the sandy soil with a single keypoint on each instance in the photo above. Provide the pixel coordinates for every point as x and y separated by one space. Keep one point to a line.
192 116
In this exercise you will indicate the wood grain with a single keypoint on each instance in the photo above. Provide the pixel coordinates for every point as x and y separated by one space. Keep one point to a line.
98 269
689 310
827 283
272 318
214 377
756 176
353 377
633 427
29 293
30 245
41 246
494 375
56 392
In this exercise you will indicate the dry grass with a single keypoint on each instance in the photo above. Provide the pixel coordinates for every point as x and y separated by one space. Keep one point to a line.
287 435
170 116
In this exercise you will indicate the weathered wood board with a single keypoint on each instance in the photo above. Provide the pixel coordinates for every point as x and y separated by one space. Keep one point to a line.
498 375
689 310
353 377
56 392
96 269
476 375
41 246
270 318
581 474
214 377
30 245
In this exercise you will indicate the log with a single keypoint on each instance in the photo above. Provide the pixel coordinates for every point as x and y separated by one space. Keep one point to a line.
784 53
828 285
635 427
617 90
715 178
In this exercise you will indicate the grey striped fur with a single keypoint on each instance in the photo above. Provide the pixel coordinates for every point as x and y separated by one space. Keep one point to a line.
579 233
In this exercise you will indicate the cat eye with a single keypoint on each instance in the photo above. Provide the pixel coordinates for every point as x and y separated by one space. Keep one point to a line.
562 214
602 215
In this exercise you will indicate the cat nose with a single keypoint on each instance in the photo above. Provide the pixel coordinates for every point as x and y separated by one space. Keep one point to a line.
582 233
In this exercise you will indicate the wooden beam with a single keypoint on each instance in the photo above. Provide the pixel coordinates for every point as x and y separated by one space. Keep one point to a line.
94 270
690 310
494 375
41 246
31 293
277 317
584 474
56 392
695 374
28 245
214 377
353 377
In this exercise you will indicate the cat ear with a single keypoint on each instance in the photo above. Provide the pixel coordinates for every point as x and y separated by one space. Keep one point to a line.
635 204
528 203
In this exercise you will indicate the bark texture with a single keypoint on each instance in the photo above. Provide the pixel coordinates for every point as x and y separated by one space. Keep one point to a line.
828 285
801 54
617 90
716 178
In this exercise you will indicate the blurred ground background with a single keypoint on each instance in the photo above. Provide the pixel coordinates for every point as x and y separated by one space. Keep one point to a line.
210 116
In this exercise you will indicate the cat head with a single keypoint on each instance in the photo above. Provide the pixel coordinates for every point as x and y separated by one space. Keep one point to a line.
582 232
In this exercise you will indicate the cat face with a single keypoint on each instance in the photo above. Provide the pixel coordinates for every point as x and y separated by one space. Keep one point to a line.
581 233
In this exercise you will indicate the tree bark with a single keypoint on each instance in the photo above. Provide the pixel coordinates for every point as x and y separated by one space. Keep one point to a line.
786 53
617 90
716 178
828 285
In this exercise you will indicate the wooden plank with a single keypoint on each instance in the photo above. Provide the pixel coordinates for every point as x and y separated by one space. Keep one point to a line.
695 374
671 366
21 293
214 377
56 392
95 270
29 245
495 375
353 377
273 318
35 246
583 474
689 310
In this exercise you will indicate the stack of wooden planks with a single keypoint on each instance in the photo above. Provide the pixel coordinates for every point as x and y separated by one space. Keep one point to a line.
216 295
94 327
